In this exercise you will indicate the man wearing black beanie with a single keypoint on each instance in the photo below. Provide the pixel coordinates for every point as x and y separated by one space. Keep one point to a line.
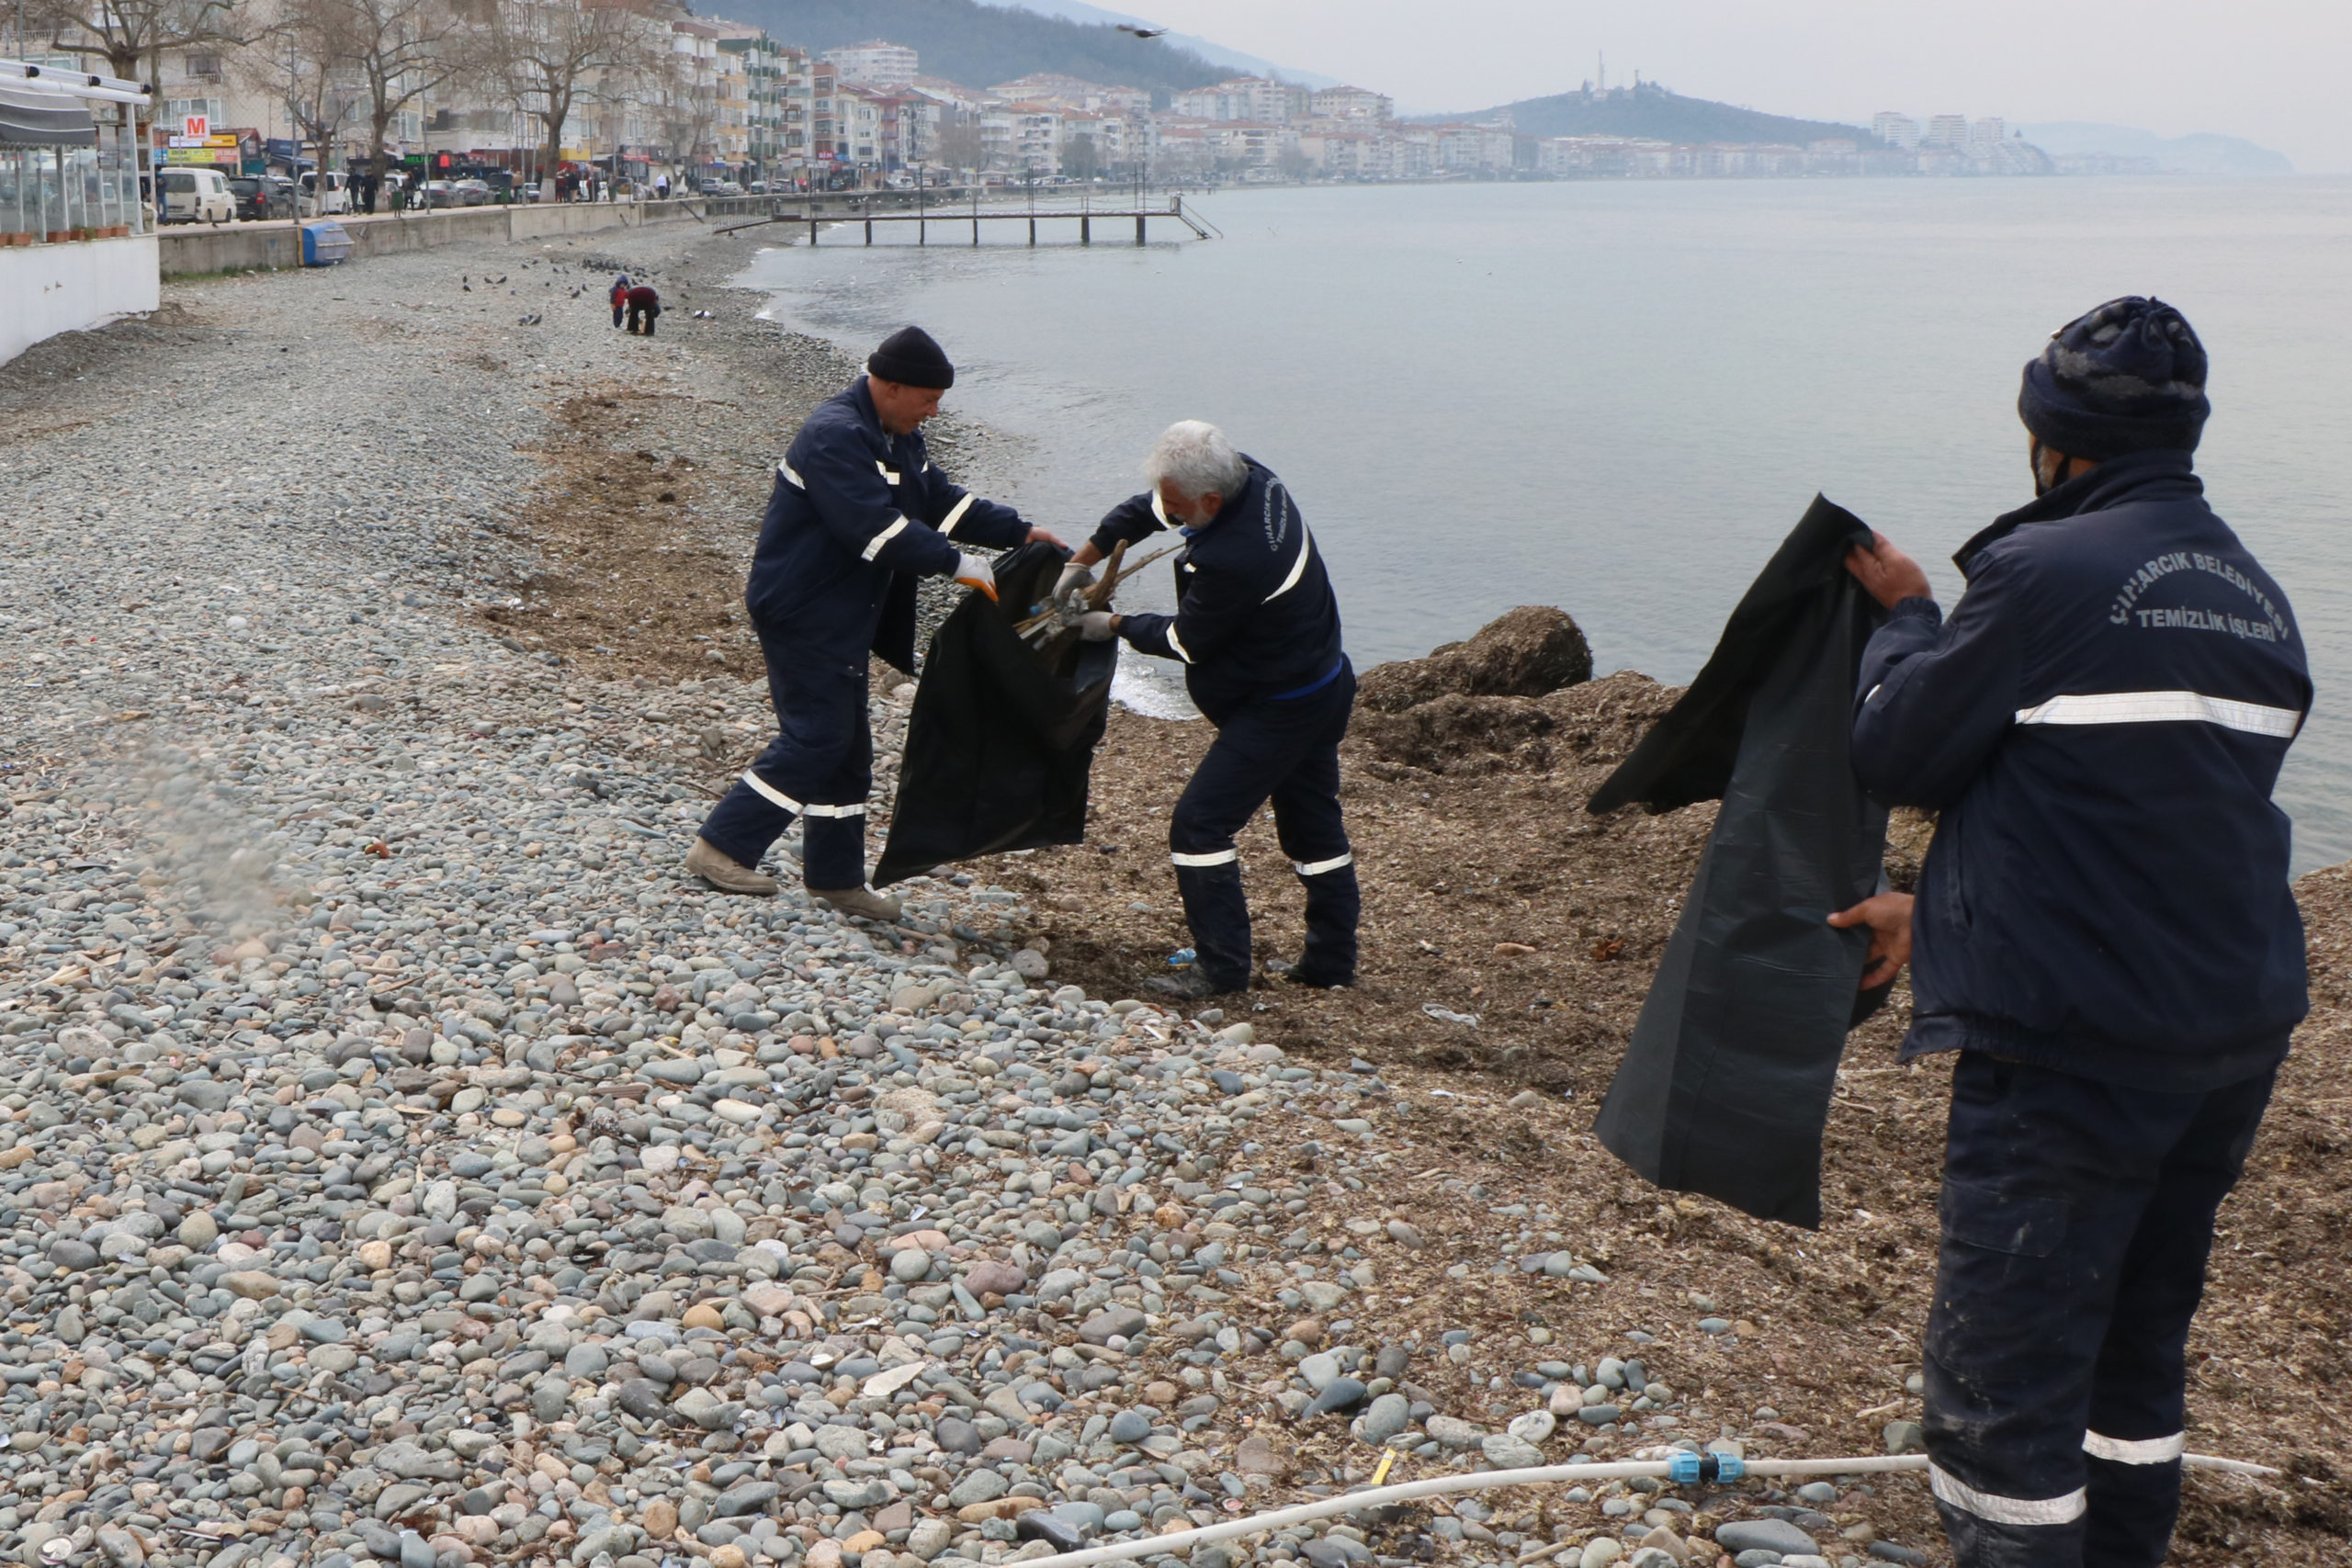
2103 930
857 514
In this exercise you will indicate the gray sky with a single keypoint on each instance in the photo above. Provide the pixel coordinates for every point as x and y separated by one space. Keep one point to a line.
2269 70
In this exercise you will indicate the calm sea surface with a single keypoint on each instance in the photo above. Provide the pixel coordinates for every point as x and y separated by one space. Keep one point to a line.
1618 398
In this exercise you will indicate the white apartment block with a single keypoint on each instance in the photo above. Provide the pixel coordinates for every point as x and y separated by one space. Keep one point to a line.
1249 99
874 64
1895 129
1351 103
1946 131
1023 139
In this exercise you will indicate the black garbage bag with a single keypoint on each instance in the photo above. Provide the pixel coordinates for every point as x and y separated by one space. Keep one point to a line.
1726 1085
998 746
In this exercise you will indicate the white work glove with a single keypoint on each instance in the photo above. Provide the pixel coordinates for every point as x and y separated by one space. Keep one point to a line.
974 572
1073 578
1095 627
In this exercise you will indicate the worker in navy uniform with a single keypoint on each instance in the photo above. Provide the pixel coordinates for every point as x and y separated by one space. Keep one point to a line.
857 513
2103 929
1257 632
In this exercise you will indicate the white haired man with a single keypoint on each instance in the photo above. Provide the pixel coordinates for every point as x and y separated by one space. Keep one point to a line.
1258 631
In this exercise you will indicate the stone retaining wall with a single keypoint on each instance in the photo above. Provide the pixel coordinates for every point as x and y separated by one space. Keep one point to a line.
240 247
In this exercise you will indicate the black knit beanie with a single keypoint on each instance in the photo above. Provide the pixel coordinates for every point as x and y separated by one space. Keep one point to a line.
911 357
2128 377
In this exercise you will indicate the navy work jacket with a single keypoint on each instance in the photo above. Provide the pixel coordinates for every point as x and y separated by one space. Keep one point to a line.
856 515
1255 615
2100 723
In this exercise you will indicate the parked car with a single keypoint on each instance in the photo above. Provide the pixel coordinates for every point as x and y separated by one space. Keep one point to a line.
281 195
471 193
257 199
723 188
336 199
197 196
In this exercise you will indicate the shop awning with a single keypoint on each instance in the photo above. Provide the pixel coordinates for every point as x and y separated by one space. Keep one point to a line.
31 116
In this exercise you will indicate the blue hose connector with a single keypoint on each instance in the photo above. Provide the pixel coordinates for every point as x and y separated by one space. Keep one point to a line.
1686 1469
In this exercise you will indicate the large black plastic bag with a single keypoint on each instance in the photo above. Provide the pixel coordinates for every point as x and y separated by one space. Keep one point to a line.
1726 1086
997 745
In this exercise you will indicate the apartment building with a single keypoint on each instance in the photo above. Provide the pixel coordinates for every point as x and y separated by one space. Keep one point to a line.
1350 103
874 64
1021 138
1250 98
1895 129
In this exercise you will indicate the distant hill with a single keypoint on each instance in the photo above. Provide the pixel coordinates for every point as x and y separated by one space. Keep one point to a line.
1231 61
2186 154
1653 113
978 46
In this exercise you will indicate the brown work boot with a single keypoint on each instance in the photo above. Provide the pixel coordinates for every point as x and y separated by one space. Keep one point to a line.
862 902
725 874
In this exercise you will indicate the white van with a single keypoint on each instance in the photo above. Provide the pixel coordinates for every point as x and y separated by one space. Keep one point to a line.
197 196
338 198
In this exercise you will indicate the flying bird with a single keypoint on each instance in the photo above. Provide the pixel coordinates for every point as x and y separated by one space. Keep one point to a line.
1141 32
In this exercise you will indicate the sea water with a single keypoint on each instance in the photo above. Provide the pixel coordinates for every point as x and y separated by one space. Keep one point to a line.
1617 397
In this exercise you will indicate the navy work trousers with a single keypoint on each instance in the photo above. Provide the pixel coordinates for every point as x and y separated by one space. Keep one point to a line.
2077 1218
820 768
1285 750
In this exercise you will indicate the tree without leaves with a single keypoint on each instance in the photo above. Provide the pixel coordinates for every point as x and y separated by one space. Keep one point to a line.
132 35
689 112
308 54
555 53
401 50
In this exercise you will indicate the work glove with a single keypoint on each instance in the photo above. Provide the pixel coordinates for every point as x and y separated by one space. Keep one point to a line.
974 572
1073 578
1095 627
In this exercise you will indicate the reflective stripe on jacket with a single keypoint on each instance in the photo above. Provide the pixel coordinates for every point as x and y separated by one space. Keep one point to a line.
2100 723
1255 615
855 517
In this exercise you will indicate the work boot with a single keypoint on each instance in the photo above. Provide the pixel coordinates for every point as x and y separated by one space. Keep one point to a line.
1188 985
862 902
727 876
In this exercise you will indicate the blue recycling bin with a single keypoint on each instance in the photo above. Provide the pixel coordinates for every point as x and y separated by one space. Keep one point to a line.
324 243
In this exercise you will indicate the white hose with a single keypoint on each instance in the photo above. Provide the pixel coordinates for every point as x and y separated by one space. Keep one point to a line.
1479 1481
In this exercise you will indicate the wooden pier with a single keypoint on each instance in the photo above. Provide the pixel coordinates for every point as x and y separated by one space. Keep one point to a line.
924 220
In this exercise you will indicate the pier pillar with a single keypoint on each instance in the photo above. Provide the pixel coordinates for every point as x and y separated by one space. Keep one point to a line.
869 231
1085 230
1033 231
1139 227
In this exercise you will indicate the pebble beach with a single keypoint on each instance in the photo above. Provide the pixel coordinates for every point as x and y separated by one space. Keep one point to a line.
402 1161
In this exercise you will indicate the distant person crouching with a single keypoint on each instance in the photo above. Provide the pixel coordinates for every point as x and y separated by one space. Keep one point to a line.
644 309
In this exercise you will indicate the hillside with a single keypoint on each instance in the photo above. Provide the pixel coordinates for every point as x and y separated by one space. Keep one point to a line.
1231 61
2204 155
980 45
1652 112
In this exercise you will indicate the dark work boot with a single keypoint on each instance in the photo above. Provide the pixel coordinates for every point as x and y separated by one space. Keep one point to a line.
1219 916
1189 986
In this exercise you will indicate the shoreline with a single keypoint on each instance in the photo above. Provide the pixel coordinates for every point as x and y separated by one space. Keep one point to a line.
1390 1174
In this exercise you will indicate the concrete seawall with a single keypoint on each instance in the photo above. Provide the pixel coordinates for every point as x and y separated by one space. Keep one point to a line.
239 247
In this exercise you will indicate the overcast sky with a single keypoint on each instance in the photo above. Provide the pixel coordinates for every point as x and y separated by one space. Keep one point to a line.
2273 71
